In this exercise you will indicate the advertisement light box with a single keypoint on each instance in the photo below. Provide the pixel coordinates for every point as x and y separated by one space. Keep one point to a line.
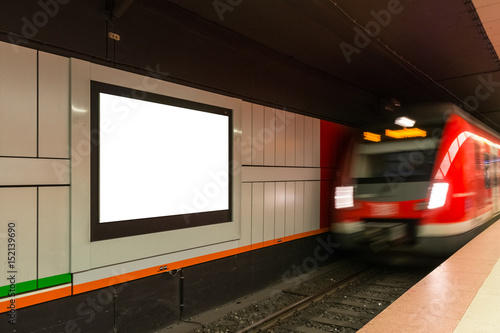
160 163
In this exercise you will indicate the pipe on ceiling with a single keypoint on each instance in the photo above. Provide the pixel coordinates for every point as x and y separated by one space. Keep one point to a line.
121 8
115 9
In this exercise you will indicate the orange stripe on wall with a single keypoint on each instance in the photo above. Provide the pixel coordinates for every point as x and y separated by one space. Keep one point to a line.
38 297
50 294
93 285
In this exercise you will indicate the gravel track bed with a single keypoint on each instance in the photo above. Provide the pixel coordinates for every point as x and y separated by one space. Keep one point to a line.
331 315
369 301
236 320
327 279
242 318
353 308
388 286
354 293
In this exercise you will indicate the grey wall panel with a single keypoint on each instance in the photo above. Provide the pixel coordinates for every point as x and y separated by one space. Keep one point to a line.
80 165
18 101
257 213
309 205
34 171
269 210
308 142
317 142
54 108
53 231
236 168
299 207
269 136
290 139
299 141
280 203
280 158
18 205
257 134
246 133
314 194
290 209
246 214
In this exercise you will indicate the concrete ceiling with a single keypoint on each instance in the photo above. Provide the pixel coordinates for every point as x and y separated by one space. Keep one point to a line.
414 51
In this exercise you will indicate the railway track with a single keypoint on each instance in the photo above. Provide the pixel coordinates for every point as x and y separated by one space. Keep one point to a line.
275 318
328 303
353 307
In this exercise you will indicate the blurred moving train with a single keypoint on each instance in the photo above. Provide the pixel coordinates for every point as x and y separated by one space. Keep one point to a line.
428 185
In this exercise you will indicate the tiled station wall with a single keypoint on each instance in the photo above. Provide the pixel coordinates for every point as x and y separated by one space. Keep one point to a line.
280 174
285 168
34 165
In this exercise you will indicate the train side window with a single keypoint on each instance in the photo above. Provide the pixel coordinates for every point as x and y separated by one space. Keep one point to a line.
487 175
477 151
495 176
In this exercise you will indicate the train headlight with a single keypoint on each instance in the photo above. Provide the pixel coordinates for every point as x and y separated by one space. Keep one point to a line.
438 195
344 197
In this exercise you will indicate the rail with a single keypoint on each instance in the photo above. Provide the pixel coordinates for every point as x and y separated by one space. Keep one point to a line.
273 319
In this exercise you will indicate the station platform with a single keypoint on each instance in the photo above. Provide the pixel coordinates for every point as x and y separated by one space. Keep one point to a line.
461 295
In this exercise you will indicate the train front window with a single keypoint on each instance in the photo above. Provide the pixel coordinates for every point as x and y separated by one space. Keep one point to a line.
395 161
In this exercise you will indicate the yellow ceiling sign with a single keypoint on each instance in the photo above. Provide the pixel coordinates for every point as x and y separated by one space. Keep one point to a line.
371 137
406 133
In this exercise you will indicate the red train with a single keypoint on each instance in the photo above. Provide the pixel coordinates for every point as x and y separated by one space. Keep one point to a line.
429 187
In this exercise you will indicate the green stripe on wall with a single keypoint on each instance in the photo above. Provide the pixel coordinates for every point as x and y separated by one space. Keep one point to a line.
21 287
26 286
54 280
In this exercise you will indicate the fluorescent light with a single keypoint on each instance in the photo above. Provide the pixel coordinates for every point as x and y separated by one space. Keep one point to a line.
404 122
438 195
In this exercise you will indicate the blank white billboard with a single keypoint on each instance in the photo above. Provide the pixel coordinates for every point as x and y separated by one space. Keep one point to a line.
158 160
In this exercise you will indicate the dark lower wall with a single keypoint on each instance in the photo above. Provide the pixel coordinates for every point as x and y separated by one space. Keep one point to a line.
149 304
218 282
143 305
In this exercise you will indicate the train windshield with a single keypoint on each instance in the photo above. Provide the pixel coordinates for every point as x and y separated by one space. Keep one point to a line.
398 161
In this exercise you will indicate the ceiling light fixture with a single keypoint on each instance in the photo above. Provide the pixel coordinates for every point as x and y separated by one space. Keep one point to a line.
404 122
